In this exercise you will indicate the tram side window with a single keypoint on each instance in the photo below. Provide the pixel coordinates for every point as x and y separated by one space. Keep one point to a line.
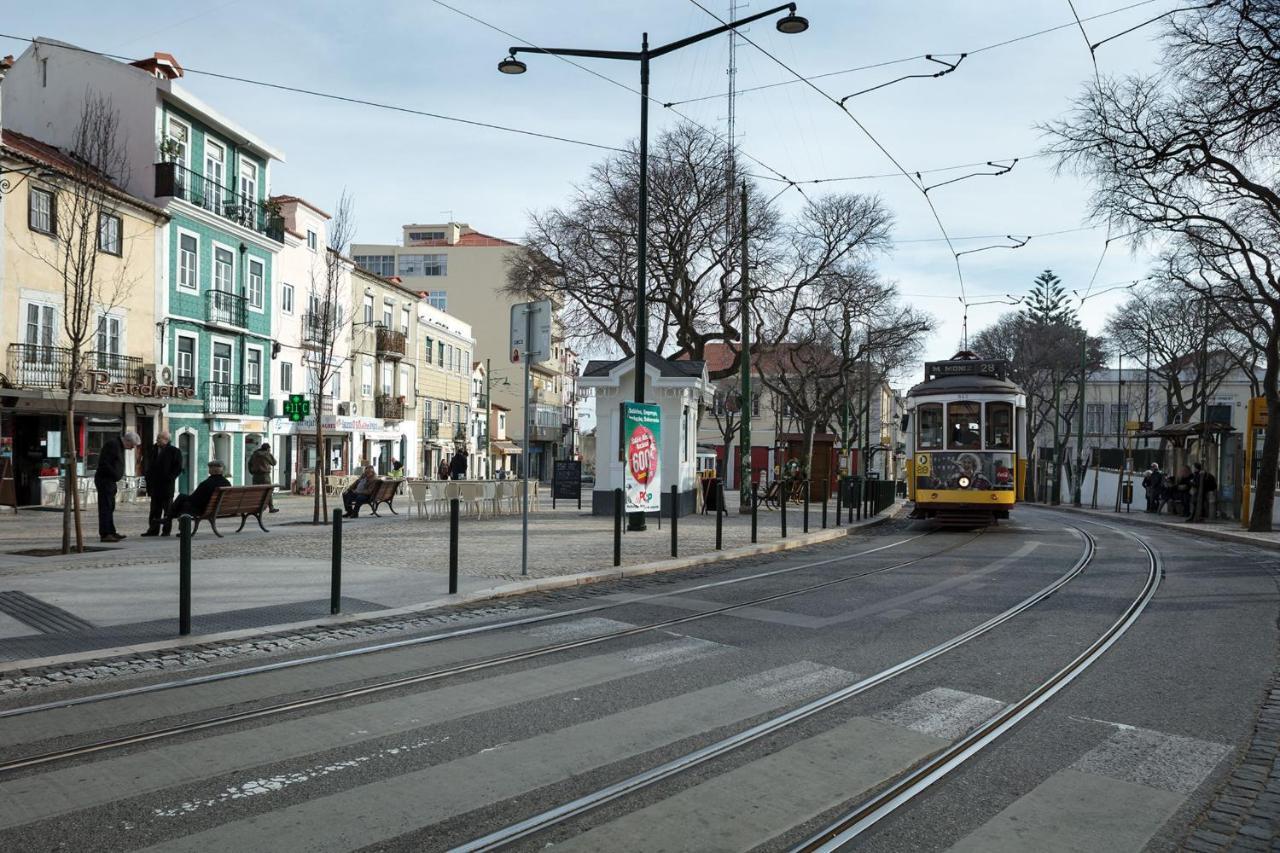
964 430
929 426
999 426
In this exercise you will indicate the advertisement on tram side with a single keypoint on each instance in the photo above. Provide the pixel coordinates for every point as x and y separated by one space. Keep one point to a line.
981 470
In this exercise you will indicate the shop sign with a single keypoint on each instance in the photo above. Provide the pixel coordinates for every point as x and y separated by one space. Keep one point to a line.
99 382
642 428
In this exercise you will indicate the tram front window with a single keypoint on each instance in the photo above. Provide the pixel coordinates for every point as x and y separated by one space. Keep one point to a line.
964 429
929 426
999 426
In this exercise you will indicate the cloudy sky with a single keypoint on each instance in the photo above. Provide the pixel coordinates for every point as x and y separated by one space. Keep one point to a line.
426 56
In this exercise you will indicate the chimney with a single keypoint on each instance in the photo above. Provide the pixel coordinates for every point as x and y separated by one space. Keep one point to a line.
160 65
452 233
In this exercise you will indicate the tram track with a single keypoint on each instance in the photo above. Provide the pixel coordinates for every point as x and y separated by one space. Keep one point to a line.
385 685
908 786
581 805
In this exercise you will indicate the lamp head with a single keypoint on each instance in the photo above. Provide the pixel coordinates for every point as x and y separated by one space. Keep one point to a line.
793 24
511 65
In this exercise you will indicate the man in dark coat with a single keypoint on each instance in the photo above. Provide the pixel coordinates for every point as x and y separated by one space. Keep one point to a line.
458 466
197 502
261 461
161 465
110 471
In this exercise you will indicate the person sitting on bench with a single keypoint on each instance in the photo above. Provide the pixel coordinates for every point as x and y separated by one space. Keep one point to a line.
197 502
360 492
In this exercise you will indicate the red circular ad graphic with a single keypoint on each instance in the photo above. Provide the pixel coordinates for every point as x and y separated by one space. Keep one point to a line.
642 455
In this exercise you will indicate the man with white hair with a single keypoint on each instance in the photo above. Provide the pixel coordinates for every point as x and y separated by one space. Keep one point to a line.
109 472
161 465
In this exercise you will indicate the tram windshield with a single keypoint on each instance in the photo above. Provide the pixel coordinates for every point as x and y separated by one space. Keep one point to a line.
929 426
999 426
964 428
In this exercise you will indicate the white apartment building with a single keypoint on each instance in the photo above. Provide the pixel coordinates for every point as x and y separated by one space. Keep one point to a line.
444 387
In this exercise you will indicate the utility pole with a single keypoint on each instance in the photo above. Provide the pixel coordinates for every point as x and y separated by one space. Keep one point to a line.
744 477
1056 496
864 466
1080 409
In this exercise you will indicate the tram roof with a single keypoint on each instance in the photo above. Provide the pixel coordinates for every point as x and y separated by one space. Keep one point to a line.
964 384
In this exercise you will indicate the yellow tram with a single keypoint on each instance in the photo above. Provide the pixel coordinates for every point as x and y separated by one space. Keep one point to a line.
965 425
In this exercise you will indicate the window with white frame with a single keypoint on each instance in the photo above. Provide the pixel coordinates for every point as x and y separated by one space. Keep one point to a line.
439 354
388 308
404 321
188 261
39 333
41 211
255 286
423 265
368 309
178 136
253 370
366 378
109 238
248 180
388 379
1119 414
215 173
185 361
335 386
448 357
312 242
223 270
286 298
1093 415
438 299
108 341
221 372
404 381
286 377
383 265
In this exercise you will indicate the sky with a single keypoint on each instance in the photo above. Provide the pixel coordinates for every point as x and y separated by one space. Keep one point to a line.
423 55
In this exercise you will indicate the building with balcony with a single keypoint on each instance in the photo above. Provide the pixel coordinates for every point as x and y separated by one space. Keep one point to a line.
463 272
119 388
384 373
445 388
215 293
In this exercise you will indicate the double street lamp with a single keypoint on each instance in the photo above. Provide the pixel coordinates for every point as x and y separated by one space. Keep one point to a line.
789 24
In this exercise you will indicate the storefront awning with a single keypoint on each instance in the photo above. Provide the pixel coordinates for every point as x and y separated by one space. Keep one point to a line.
507 448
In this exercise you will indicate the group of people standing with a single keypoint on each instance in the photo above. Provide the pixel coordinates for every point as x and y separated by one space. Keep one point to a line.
161 467
1188 493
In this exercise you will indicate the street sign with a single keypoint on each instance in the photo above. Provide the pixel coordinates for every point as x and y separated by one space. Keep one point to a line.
642 477
531 330
1146 426
297 407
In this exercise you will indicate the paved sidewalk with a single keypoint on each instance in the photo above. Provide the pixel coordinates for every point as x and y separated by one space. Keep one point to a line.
1222 530
127 594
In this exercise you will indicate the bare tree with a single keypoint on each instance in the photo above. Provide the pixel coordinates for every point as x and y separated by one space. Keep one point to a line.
85 219
584 254
1190 153
727 410
324 325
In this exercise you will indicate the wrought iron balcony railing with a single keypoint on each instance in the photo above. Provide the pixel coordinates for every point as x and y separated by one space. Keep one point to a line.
36 366
226 398
388 407
179 182
390 343
318 329
223 307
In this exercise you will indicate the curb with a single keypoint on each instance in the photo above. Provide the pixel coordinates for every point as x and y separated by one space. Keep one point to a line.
1240 538
494 593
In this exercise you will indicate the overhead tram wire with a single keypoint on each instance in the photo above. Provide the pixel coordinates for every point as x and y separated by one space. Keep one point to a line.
983 49
608 79
919 186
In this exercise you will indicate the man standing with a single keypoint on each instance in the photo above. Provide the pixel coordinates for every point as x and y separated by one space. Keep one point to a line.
160 469
260 464
1152 482
109 472
458 467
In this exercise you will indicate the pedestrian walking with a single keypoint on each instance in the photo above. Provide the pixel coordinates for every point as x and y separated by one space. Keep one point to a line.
1152 483
458 465
109 472
197 502
442 470
161 465
261 461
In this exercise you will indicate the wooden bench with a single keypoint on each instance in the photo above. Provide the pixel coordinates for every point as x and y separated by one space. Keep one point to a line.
230 501
383 493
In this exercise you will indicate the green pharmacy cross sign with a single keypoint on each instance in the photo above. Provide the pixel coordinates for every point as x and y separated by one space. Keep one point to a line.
297 407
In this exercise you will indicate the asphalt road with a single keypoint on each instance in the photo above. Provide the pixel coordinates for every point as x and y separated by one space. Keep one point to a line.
1122 759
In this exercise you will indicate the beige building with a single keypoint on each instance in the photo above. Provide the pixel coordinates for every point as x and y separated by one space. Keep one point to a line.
384 365
445 382
120 387
462 272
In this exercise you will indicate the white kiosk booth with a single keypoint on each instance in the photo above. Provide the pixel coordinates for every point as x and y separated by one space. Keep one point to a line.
682 390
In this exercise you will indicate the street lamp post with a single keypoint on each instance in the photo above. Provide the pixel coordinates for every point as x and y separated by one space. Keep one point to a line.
790 24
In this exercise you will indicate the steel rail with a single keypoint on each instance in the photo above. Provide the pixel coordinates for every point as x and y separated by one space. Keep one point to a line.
398 682
392 645
645 778
876 808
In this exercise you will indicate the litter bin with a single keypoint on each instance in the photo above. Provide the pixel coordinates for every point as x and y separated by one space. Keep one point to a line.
711 495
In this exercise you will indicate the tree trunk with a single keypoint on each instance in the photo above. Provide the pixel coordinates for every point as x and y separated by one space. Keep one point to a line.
318 485
71 498
1265 488
809 433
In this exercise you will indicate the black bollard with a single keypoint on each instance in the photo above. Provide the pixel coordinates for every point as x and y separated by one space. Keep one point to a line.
720 511
453 546
335 562
784 491
839 500
806 506
617 527
184 575
755 511
858 497
675 519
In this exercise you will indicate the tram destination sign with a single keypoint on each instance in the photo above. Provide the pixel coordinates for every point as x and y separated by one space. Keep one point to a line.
966 367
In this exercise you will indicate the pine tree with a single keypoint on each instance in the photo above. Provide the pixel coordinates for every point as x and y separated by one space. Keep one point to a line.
1047 303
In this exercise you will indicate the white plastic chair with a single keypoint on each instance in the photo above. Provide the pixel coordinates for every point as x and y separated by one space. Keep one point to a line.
418 490
489 495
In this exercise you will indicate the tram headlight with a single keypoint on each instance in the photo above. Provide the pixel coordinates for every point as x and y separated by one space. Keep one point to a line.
964 482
